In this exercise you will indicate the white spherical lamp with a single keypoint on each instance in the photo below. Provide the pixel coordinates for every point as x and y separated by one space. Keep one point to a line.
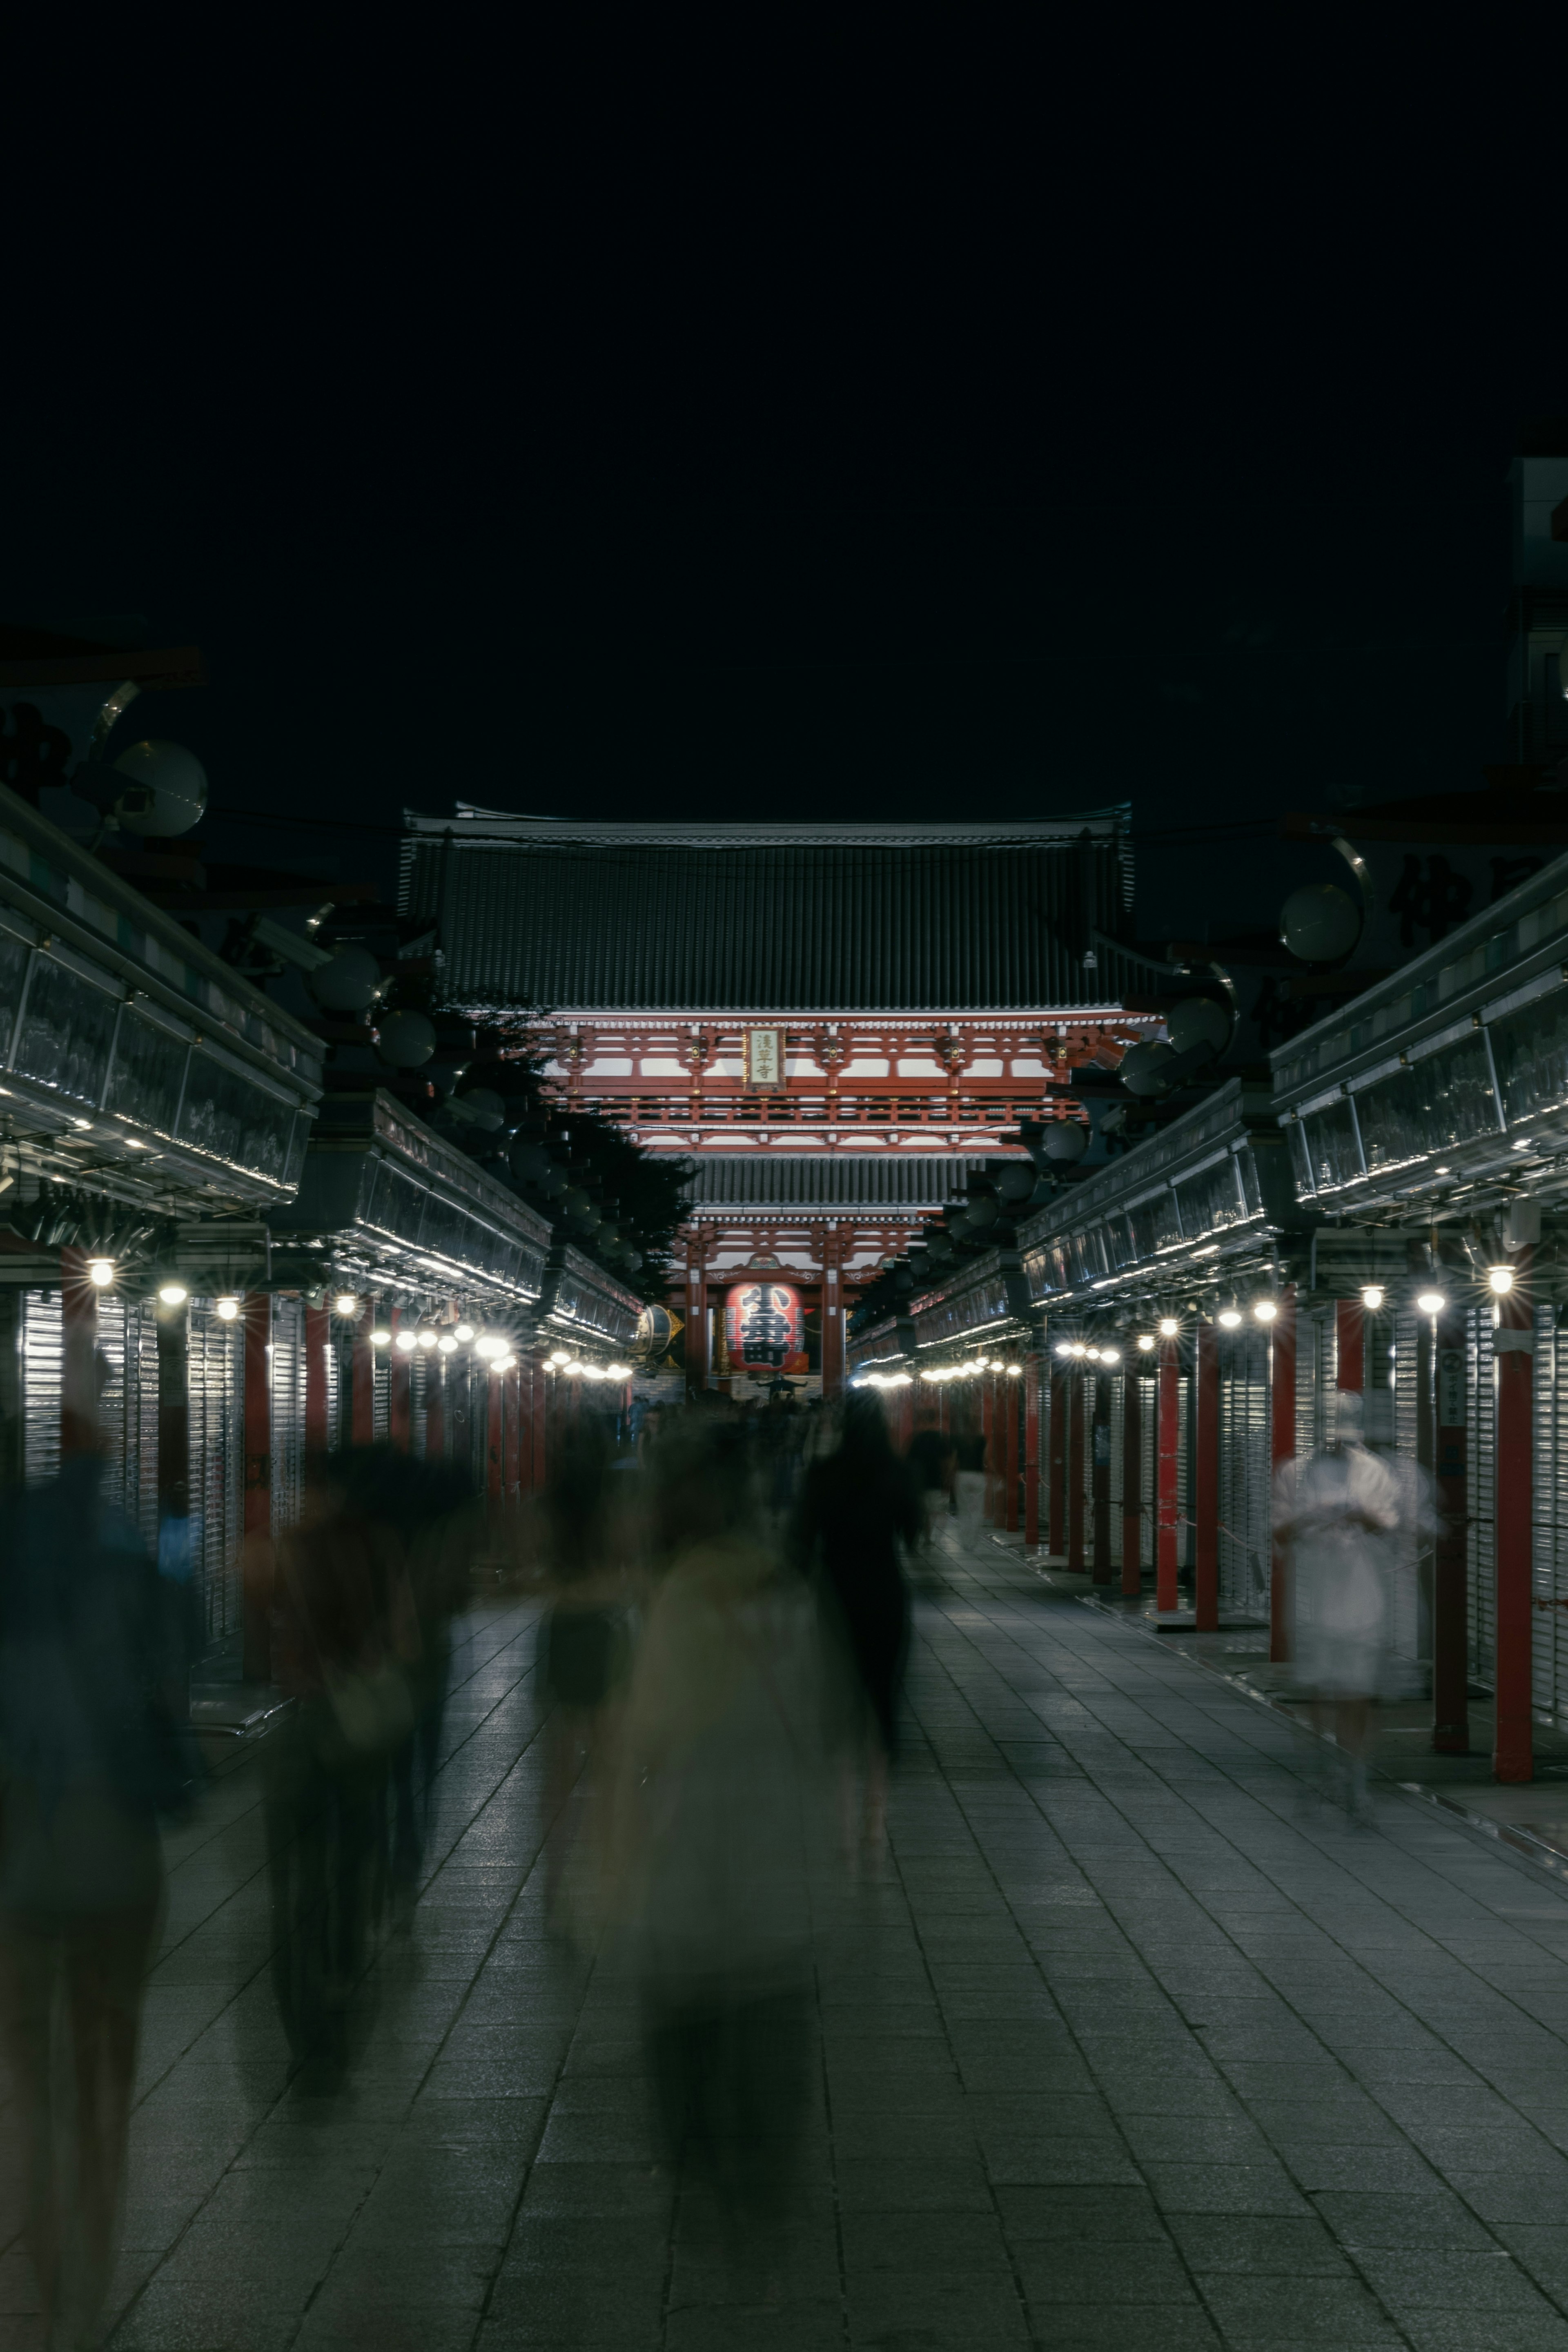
351 982
1143 1067
1198 1021
1065 1141
407 1040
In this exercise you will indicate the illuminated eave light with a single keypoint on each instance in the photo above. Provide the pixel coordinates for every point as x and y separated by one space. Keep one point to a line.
1431 1302
101 1272
1265 1310
1371 1296
1168 1326
1229 1318
346 1304
380 1337
173 1294
1499 1280
228 1310
446 1344
464 1333
1146 1343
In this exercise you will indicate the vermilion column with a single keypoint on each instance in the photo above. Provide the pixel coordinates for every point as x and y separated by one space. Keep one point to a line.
493 1441
1056 1445
1349 1332
361 1376
1010 1410
397 1413
1512 1758
1282 1449
78 1341
1100 1475
511 1421
1075 1474
256 1600
1131 1483
1205 1480
1031 1452
542 1399
318 1339
1167 1442
1450 1612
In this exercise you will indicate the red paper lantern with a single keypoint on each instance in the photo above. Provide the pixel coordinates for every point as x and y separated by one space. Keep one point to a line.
764 1325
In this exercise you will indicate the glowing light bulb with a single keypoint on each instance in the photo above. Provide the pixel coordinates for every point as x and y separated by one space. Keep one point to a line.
425 1338
1229 1318
1431 1302
1265 1310
1500 1279
173 1294
1168 1326
346 1304
407 1343
1371 1296
463 1334
447 1345
101 1272
1146 1343
1015 1371
228 1310
380 1337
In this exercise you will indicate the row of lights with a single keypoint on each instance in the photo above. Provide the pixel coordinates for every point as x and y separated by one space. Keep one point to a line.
572 1368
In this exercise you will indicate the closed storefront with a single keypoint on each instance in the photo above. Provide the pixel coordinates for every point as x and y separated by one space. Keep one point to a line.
1245 1473
215 1377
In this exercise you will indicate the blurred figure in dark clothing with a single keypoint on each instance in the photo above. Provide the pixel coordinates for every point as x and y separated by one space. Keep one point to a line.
722 1857
860 1510
427 1511
346 1648
581 1635
94 1745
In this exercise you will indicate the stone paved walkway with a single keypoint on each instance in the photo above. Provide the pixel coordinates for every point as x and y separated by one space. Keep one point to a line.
1136 2045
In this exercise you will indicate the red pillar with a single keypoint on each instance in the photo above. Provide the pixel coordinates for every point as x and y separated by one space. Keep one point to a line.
1075 1470
1167 1441
1282 1412
1099 1476
1010 1408
1206 1497
1031 1452
493 1441
397 1416
257 1593
697 1323
362 1398
79 1340
1451 1611
317 1339
511 1410
1349 1330
1131 1483
541 1401
832 1314
988 1426
1056 1445
1512 1758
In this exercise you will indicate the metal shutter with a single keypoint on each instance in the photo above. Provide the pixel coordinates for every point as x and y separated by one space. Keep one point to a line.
43 1359
1244 1442
1185 1549
381 1397
1408 1615
1482 1578
287 1396
1117 1415
418 1396
1549 1648
215 1386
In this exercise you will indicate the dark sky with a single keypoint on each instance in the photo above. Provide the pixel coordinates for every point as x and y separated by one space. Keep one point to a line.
798 428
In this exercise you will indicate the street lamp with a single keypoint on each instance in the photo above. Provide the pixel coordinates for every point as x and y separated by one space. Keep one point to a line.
1430 1302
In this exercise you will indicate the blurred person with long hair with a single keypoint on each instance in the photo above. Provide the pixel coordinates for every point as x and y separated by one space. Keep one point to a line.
583 1632
95 1744
724 1841
346 1648
860 1513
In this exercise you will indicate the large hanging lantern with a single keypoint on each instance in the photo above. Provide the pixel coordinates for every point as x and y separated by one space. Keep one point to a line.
764 1326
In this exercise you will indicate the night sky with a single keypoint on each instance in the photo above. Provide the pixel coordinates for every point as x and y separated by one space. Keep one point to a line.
816 432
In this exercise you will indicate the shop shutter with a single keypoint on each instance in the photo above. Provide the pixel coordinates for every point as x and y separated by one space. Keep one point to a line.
419 1402
381 1397
128 1408
1083 1403
111 1396
215 1386
1184 1547
1118 1417
1244 1474
287 1389
1482 1498
1408 1614
43 1353
1550 1644
337 1387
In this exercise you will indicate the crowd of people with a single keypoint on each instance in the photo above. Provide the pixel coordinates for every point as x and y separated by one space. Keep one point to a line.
724 1621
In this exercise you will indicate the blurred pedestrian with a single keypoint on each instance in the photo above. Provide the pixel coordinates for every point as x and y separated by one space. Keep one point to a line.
1340 1510
859 1513
724 1835
583 1632
346 1647
94 1746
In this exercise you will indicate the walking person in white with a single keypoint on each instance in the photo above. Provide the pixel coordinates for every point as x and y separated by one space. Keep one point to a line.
1339 1510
